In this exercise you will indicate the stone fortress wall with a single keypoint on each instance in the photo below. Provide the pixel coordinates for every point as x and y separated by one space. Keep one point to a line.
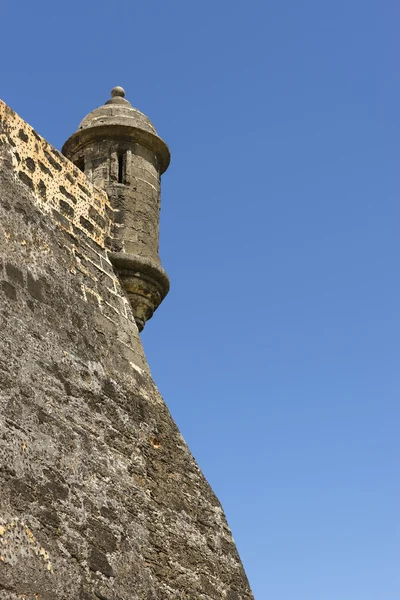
63 192
60 188
100 498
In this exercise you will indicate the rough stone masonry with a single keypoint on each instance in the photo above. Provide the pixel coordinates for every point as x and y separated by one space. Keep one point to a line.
100 497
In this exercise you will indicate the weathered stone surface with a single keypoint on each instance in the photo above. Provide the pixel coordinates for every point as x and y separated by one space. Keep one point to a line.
100 498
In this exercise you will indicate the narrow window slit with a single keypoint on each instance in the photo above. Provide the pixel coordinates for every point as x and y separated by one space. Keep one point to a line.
120 167
80 163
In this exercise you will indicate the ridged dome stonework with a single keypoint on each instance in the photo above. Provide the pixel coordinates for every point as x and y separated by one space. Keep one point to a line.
119 150
117 111
125 120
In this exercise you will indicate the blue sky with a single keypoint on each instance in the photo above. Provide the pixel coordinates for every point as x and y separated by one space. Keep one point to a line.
277 349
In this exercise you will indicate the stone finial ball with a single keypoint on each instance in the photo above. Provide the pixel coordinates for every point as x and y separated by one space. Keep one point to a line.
118 91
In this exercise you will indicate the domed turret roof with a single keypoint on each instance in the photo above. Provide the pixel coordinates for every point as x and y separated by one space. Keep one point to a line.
117 111
119 120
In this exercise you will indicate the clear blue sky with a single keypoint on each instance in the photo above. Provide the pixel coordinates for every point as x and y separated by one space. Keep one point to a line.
277 349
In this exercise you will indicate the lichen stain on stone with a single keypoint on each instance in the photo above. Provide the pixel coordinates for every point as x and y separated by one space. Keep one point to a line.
17 542
155 442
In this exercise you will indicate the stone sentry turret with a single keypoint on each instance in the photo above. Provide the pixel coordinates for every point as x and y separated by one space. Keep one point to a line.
118 149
